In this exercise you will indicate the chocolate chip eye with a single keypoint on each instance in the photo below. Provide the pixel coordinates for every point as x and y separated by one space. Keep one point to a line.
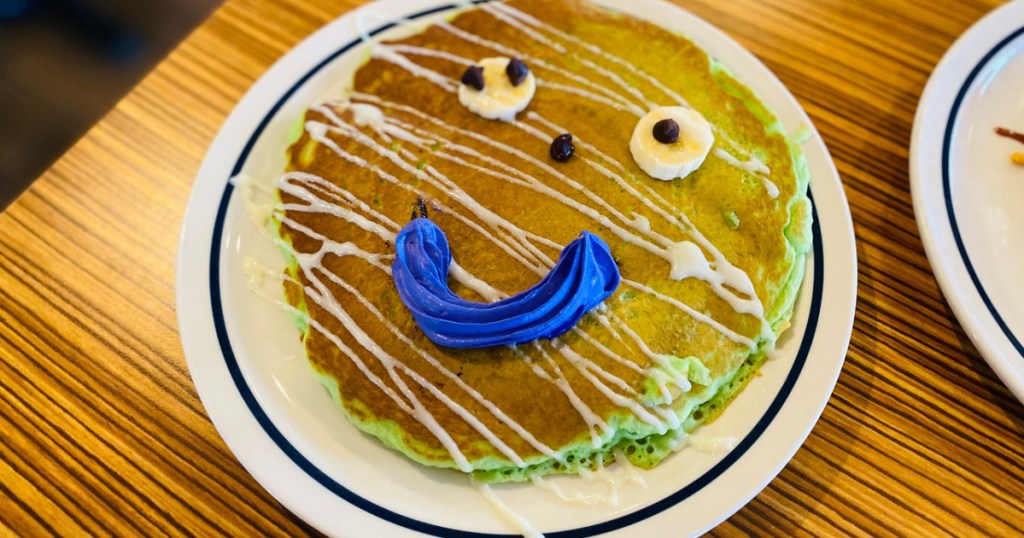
666 131
474 77
516 71
562 147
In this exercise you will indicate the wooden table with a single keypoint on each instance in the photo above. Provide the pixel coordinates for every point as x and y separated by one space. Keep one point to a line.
103 431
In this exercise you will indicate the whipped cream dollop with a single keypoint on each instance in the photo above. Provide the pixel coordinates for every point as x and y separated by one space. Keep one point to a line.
499 98
584 276
675 159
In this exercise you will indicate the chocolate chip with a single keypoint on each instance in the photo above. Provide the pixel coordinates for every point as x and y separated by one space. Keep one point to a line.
516 71
474 77
666 131
562 147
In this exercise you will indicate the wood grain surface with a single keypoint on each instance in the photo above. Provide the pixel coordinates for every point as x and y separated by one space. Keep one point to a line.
103 432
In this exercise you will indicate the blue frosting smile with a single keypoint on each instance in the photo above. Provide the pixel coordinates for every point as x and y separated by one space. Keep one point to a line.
584 276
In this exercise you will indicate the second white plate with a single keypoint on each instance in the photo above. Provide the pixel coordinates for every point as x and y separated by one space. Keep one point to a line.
967 194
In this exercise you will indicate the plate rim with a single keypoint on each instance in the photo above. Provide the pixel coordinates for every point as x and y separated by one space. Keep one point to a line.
936 118
191 222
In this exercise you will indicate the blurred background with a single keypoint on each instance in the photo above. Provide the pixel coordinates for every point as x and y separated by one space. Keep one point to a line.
65 63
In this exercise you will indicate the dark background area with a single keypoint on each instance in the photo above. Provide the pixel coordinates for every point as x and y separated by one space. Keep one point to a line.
65 63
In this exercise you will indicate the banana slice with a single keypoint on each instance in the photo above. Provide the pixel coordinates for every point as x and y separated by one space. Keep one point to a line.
671 142
488 90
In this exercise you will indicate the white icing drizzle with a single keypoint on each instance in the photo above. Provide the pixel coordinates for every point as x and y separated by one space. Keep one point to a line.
307 262
686 258
599 429
257 277
482 288
632 404
633 474
632 109
588 368
318 132
576 358
614 479
315 204
574 497
533 62
522 250
585 366
713 445
523 21
582 365
522 17
413 407
430 53
518 522
251 191
428 174
603 320
602 475
367 115
310 264
389 55
530 181
739 281
432 361
752 166
770 187
614 77
679 441
677 378
699 316
727 280
338 249
521 240
617 104
803 133
684 261
607 352
348 249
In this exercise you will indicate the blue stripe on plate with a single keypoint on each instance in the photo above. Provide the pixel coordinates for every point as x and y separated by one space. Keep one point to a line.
947 189
435 530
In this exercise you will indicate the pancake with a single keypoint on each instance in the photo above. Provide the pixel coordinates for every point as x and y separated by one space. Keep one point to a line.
658 357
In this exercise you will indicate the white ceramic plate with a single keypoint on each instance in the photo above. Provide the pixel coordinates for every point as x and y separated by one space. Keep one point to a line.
247 362
967 193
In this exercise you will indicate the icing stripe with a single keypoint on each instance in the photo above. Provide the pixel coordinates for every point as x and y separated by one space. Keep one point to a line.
728 281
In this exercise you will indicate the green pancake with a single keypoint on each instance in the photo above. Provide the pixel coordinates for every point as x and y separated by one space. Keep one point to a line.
504 413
